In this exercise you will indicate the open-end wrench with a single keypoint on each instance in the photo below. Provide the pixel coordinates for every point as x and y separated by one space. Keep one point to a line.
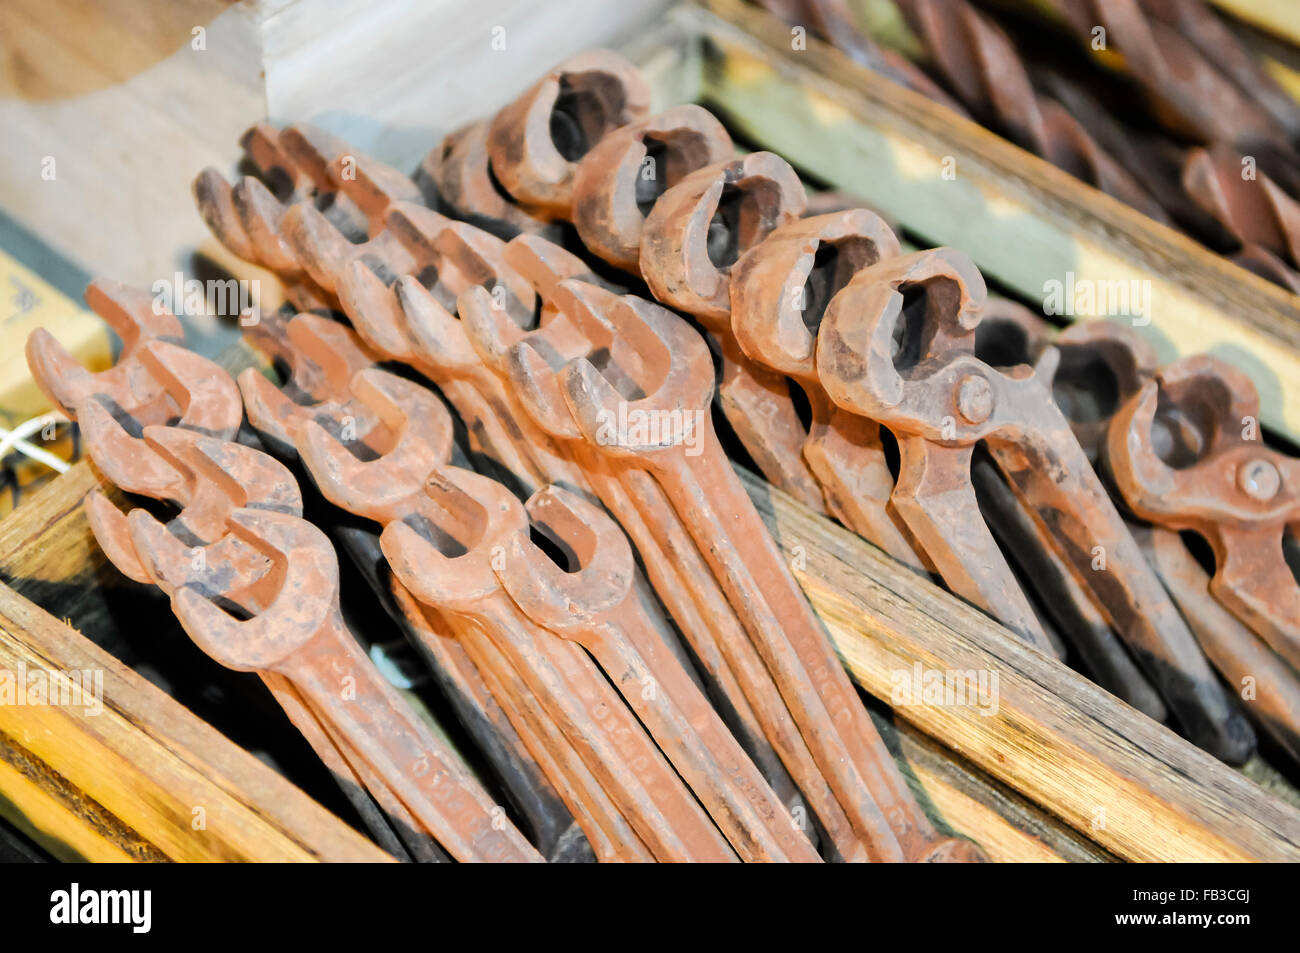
301 636
779 290
298 168
693 235
1225 485
594 604
214 477
536 141
391 488
321 356
475 519
673 562
897 344
665 429
127 386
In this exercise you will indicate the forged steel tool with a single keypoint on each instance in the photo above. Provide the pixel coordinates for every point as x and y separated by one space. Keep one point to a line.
573 325
471 520
896 344
664 428
779 290
1222 483
390 488
594 604
617 182
693 235
1009 335
301 636
1104 366
536 141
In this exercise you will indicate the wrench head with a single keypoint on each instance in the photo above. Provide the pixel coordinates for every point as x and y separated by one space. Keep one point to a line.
304 605
599 578
207 396
781 287
668 399
574 325
700 227
322 356
446 558
136 318
193 548
535 142
618 181
126 460
381 489
109 526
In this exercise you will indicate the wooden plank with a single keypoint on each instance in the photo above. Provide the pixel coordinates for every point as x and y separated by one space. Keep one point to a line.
1129 784
1024 222
1279 17
138 777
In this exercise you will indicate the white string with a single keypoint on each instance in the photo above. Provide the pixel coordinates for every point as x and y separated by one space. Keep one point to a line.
16 440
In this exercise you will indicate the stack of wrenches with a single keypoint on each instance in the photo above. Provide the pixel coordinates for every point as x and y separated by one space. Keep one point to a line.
725 243
854 778
603 586
238 543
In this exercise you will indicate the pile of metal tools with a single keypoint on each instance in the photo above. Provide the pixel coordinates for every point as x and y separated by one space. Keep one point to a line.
1217 153
569 547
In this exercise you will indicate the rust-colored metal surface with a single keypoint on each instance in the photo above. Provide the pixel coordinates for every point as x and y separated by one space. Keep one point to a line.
1104 367
779 290
128 385
910 364
673 392
460 169
536 141
273 218
693 235
301 636
618 181
1222 482
1009 335
594 604
471 521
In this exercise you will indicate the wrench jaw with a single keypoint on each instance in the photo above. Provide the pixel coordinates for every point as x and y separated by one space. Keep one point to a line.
572 602
674 382
135 317
207 397
109 526
468 522
375 313
700 227
617 181
322 356
304 606
377 488
535 142
130 462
